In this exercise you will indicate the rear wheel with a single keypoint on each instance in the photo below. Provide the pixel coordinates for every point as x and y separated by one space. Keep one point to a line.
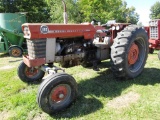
57 92
29 74
15 51
129 52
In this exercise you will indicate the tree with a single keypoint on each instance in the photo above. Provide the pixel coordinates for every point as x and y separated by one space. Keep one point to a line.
155 11
1 7
56 11
132 16
7 6
37 10
85 10
108 10
105 9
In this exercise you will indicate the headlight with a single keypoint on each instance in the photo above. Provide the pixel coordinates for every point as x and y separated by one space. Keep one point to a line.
26 28
118 27
26 31
113 27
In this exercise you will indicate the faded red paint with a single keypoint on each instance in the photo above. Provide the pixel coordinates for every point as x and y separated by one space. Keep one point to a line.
57 92
60 30
33 62
133 54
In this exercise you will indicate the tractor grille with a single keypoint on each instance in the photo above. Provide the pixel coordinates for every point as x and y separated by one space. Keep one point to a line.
154 32
36 48
153 29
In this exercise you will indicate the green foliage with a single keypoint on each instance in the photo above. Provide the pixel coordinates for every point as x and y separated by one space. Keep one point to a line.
128 15
155 11
107 10
78 10
57 9
1 6
85 10
37 10
132 16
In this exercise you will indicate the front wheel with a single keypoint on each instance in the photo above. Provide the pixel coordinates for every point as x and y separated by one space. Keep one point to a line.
56 93
29 74
129 52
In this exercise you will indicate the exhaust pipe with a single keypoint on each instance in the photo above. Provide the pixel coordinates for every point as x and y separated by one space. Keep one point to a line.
65 17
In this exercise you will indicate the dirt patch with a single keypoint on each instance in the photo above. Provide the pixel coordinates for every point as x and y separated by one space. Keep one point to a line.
40 117
4 115
124 100
6 67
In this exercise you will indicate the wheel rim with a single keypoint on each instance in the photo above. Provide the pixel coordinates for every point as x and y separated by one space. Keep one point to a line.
31 72
133 54
16 52
60 95
139 48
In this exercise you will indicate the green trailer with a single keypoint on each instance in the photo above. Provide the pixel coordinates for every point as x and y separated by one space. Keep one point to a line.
11 35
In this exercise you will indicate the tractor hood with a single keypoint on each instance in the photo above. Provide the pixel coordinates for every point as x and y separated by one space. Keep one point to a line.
49 30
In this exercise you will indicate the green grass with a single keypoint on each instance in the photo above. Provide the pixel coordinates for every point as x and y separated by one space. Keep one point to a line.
100 95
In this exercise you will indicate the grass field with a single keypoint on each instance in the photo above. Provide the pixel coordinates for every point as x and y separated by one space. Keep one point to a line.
100 95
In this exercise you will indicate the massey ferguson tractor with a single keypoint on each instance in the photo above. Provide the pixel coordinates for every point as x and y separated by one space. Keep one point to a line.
83 44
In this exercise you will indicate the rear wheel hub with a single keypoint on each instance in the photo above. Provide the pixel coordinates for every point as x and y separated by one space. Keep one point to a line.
133 54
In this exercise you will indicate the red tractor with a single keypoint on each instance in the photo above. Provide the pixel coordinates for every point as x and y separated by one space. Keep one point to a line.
154 35
84 44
